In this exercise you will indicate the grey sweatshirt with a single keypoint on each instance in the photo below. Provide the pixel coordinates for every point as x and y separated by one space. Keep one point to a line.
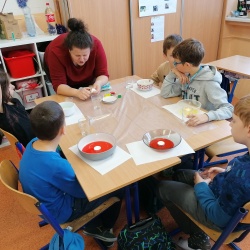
205 88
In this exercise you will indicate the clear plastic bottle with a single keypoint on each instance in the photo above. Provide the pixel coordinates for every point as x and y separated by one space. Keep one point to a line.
30 26
50 19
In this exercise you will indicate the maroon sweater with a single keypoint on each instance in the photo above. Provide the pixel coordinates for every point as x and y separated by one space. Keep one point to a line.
63 71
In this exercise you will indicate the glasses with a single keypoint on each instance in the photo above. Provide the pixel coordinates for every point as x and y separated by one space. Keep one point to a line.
176 63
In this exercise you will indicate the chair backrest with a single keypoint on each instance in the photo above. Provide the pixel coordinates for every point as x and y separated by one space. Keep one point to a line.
242 88
15 144
9 178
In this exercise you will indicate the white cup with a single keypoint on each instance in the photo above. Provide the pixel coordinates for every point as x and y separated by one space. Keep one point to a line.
96 101
84 126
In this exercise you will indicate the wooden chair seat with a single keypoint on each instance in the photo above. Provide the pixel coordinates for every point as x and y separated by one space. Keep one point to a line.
223 147
214 235
9 178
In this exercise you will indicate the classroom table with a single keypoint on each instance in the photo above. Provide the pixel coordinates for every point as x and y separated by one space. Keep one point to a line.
128 119
236 64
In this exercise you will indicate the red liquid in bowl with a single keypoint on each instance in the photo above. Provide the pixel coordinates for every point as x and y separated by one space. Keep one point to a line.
97 147
161 143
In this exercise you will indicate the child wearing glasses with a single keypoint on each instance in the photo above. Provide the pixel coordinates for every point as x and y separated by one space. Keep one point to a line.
192 80
212 199
168 46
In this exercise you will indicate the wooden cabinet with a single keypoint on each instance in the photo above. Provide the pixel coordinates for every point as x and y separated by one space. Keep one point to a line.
235 36
32 44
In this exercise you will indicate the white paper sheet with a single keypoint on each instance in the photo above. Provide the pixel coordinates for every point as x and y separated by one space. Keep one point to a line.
143 154
146 94
75 117
104 166
176 109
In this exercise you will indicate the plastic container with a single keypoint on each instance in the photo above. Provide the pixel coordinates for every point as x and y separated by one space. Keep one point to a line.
50 19
29 95
20 63
30 25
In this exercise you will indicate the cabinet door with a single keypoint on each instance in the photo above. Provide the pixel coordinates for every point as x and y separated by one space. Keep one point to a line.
202 21
108 21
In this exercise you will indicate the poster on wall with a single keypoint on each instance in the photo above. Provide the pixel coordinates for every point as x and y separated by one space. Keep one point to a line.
157 28
156 7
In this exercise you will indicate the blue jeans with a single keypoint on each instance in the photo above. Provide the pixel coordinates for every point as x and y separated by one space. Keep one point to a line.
106 219
181 193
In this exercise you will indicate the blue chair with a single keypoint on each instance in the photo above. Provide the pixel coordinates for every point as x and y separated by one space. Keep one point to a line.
228 146
9 178
227 236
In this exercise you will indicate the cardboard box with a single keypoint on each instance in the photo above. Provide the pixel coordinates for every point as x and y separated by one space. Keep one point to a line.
9 25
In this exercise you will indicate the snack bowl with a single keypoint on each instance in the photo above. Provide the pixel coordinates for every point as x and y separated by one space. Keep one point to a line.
97 146
68 108
161 139
145 84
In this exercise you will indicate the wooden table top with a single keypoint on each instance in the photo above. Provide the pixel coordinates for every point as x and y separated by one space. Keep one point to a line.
235 64
128 119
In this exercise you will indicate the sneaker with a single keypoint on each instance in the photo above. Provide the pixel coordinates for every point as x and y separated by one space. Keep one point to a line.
100 233
183 244
108 244
199 241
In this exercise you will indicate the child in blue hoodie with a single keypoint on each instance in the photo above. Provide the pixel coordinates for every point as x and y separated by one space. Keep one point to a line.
191 80
214 200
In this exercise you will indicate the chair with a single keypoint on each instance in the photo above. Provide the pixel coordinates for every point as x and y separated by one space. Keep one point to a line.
227 237
14 143
228 146
9 178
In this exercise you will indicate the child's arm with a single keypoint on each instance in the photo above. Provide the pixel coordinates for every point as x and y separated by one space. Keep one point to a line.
171 86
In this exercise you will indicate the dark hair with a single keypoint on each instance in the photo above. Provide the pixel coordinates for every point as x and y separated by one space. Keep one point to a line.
189 50
78 36
46 120
4 83
170 42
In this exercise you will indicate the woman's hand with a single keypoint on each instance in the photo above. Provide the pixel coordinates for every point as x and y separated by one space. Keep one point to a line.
196 120
84 93
97 87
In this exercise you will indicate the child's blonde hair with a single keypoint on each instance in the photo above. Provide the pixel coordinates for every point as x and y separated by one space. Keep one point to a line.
242 110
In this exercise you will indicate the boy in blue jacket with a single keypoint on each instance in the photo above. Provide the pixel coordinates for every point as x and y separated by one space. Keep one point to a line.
51 179
212 201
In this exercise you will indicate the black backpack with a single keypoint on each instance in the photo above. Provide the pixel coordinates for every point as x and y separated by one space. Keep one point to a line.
146 234
147 195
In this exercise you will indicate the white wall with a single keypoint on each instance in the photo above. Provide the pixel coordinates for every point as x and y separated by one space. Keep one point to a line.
36 6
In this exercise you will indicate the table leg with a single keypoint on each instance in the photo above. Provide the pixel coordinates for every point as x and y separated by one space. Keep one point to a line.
129 211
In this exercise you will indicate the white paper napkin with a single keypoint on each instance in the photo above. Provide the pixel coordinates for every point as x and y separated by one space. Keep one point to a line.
104 166
143 154
176 109
75 117
146 94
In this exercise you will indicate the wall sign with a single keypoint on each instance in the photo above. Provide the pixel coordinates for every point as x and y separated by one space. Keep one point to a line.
156 7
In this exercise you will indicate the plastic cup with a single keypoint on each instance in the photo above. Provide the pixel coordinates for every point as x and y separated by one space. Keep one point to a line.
96 101
84 126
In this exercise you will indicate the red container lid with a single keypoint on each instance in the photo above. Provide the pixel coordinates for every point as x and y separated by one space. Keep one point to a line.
19 53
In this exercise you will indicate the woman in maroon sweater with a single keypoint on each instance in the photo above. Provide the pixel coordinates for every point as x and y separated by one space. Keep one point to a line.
76 60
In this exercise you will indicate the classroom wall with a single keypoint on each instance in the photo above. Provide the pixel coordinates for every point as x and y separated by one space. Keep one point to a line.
37 8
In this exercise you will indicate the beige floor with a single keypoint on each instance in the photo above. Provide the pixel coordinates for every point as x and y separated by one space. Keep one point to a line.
20 230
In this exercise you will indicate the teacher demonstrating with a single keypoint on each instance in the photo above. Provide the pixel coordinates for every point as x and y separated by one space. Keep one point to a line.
75 60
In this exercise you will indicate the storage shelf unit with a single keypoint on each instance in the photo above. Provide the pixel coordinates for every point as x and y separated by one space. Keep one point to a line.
32 44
